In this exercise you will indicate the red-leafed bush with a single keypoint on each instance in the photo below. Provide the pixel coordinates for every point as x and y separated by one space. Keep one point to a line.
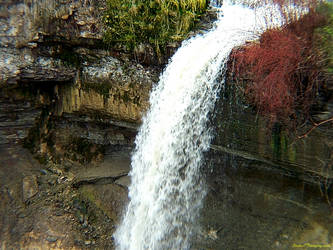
282 68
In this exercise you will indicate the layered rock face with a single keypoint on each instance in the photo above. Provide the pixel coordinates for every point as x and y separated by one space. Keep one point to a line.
76 105
61 42
243 133
55 49
267 188
29 27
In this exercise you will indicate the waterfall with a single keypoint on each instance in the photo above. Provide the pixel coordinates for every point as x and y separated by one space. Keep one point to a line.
167 191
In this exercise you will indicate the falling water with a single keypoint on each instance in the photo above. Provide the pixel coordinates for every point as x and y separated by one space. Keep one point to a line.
167 190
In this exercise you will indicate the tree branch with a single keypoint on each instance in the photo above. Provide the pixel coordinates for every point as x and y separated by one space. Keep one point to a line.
315 126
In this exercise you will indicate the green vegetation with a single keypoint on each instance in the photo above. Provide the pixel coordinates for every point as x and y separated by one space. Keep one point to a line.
324 36
157 22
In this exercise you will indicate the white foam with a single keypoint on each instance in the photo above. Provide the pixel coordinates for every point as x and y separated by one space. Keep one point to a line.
167 190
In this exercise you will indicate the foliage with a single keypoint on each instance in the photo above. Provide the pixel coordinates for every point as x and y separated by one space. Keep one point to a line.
283 67
157 22
324 37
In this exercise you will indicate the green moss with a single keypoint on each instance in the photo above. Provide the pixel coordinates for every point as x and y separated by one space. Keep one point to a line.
90 196
156 22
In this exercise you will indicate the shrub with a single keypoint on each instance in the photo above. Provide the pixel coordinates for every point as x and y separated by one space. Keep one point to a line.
283 68
157 22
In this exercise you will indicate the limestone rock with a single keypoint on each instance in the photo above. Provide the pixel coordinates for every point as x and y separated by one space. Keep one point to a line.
22 20
112 168
20 65
29 187
124 181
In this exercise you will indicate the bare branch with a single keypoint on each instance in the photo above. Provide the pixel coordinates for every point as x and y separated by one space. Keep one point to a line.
315 126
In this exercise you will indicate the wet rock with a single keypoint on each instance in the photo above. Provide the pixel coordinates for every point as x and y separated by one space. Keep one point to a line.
120 89
24 21
112 168
17 116
29 187
21 65
251 209
124 181
240 132
108 198
65 17
52 181
51 239
50 41
145 54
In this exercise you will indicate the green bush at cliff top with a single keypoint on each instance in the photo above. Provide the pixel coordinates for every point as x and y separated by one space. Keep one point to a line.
157 22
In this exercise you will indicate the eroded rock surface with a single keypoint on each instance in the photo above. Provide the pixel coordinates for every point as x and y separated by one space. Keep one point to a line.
40 205
50 42
29 187
241 132
251 209
81 120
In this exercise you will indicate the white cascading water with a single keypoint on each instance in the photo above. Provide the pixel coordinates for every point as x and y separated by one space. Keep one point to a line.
166 190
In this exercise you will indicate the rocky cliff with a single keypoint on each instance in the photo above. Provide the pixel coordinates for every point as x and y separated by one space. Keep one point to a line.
61 42
76 105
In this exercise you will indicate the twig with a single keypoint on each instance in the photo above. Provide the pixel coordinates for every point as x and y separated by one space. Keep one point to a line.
315 126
